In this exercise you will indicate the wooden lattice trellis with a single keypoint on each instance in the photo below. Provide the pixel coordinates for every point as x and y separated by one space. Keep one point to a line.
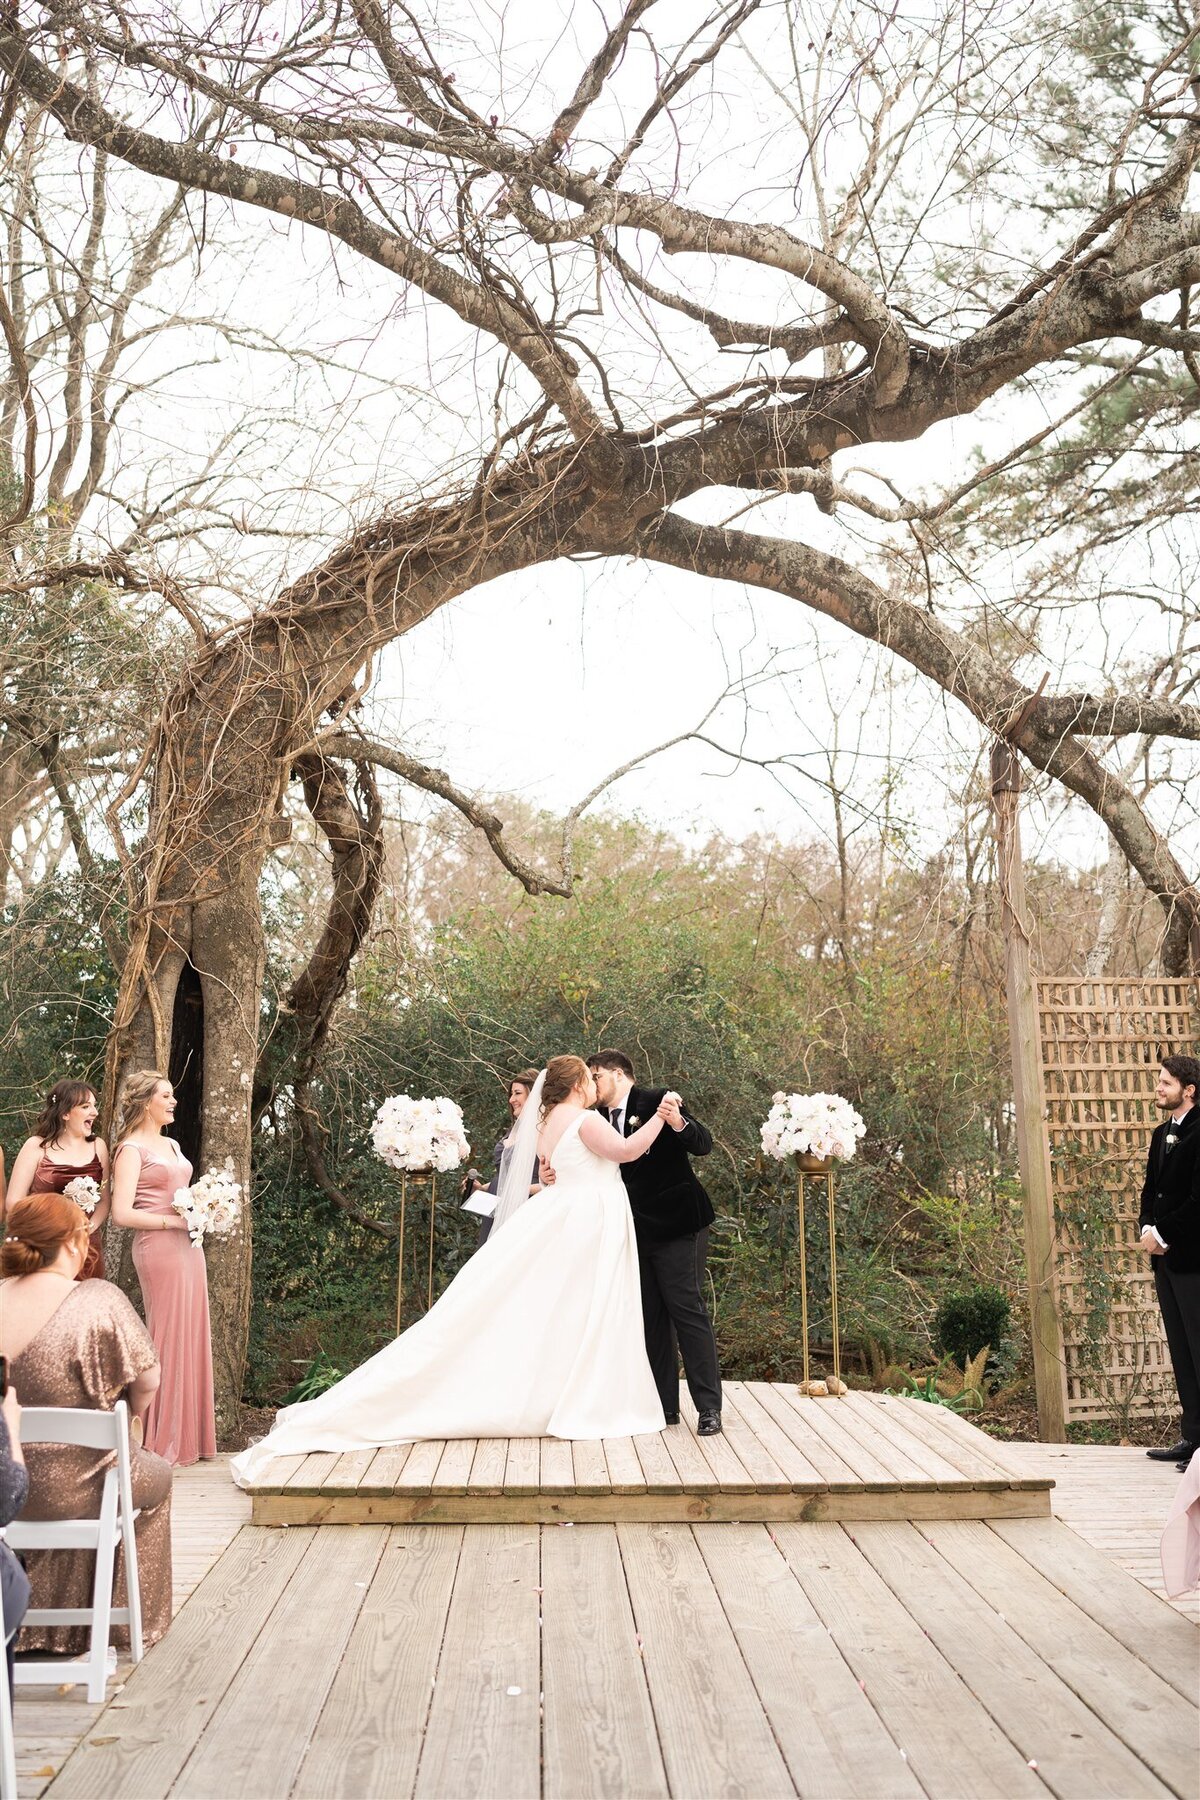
1102 1041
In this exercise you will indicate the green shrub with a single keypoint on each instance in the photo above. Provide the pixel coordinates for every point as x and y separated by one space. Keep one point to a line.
968 1323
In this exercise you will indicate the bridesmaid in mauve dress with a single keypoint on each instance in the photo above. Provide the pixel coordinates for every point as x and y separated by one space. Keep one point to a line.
79 1343
60 1150
148 1170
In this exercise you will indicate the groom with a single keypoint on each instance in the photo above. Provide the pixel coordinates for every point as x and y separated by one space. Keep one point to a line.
671 1215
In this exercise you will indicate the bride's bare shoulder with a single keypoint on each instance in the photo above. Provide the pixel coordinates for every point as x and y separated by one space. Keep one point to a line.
557 1120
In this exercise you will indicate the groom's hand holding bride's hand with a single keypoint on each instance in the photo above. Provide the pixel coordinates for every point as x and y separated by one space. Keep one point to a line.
670 1109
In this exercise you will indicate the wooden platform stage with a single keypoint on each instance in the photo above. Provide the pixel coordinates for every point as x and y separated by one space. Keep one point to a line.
888 1661
781 1457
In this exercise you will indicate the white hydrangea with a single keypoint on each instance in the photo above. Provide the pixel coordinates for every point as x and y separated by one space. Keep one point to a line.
420 1134
84 1190
212 1206
821 1125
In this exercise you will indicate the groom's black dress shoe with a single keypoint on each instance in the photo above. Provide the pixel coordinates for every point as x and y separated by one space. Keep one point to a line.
708 1424
671 1418
1181 1452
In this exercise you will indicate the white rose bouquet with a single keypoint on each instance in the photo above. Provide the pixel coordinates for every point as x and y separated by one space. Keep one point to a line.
821 1125
420 1134
84 1190
212 1206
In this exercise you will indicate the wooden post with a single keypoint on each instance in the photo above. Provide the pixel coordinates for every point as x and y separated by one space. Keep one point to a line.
1049 1362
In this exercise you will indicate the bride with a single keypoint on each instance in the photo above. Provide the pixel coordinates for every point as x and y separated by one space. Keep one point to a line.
539 1335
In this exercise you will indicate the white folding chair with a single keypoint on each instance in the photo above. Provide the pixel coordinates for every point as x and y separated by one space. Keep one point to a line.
8 1747
93 1431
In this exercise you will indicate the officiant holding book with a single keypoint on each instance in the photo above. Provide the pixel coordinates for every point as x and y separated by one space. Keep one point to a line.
519 1089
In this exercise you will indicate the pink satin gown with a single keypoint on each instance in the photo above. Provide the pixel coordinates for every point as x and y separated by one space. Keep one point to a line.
181 1424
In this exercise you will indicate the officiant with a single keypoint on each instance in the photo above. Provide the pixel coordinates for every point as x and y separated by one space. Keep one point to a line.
519 1090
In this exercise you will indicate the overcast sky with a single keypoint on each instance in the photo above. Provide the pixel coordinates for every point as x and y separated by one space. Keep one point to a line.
541 683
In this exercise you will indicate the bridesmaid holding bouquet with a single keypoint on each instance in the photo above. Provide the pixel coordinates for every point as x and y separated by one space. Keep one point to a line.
148 1171
63 1149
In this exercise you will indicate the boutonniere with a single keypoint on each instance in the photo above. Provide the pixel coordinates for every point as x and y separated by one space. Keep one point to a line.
633 1121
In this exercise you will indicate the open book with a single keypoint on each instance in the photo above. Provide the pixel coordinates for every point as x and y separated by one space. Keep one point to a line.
481 1203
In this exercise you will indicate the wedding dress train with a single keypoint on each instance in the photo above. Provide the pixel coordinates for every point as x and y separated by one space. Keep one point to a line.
539 1335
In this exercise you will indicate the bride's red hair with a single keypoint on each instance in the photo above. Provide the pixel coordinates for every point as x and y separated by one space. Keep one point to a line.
563 1075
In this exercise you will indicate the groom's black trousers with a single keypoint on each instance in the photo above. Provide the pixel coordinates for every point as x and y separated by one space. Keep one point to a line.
673 1308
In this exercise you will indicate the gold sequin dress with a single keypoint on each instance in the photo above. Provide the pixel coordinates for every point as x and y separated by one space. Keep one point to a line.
87 1354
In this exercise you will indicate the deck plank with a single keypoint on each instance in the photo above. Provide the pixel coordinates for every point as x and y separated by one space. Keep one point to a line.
312 1471
799 1470
249 1748
890 1423
349 1471
910 1460
968 1440
751 1452
591 1467
971 1456
522 1467
729 1472
600 1736
716 1738
657 1467
1148 1626
557 1471
693 1467
420 1466
1150 1715
481 1741
488 1467
1077 1755
368 1737
277 1472
386 1469
873 1463
624 1466
454 1466
952 1745
149 1736
829 1734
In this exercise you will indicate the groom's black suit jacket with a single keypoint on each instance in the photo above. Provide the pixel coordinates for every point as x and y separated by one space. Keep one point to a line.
1171 1195
665 1198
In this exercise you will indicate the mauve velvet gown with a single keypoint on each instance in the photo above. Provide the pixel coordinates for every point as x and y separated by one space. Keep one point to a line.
181 1423
51 1178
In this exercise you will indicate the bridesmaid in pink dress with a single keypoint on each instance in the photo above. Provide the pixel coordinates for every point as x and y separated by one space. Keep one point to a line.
148 1170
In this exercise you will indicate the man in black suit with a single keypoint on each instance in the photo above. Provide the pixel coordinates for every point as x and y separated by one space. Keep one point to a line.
1170 1222
671 1215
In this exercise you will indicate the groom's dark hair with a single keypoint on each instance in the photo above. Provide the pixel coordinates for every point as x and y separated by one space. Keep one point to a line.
612 1059
1186 1071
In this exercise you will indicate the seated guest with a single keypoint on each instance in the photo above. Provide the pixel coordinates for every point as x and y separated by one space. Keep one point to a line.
63 1147
72 1343
14 1484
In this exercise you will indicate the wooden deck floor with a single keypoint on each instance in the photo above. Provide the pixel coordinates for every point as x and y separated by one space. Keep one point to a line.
1113 1498
1117 1499
884 1659
781 1458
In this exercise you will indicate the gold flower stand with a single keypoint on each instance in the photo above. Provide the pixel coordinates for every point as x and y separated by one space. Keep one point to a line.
419 1177
818 1169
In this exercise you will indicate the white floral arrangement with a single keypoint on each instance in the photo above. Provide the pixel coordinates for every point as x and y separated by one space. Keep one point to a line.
212 1206
84 1190
821 1125
420 1134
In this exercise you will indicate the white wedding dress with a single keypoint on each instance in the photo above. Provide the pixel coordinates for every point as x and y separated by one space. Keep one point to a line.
539 1335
